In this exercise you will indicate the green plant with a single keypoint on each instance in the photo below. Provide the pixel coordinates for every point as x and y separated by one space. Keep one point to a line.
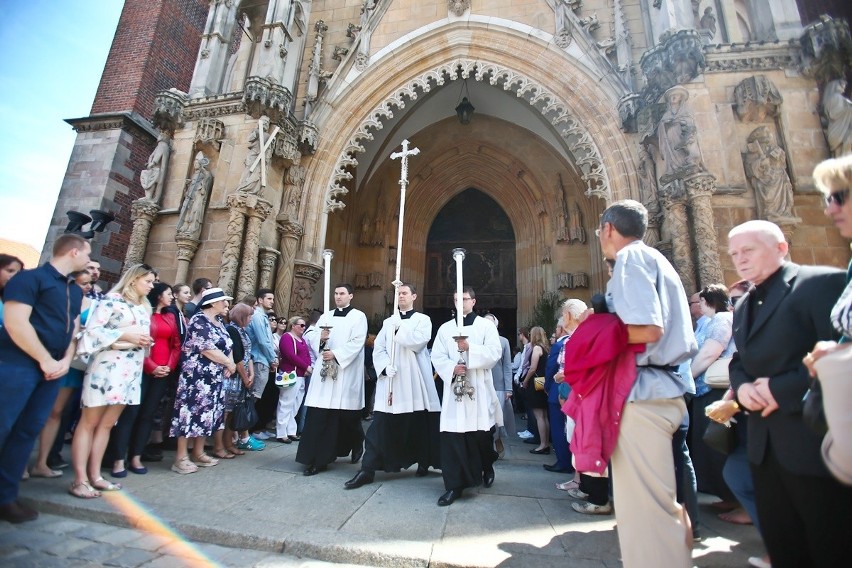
546 311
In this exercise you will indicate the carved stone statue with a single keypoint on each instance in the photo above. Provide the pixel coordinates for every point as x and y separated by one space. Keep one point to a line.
303 293
294 181
837 110
678 138
379 226
576 230
562 233
708 21
365 238
647 172
564 25
195 199
251 181
766 168
153 177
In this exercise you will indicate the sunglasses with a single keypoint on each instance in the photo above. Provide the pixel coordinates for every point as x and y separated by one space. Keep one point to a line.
837 197
298 325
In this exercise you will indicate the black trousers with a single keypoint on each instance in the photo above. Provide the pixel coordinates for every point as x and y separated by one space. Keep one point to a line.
135 423
805 520
596 487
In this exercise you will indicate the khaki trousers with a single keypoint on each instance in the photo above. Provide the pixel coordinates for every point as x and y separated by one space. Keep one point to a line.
651 527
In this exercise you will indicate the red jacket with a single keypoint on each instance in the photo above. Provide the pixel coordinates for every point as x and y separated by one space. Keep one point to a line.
600 366
166 348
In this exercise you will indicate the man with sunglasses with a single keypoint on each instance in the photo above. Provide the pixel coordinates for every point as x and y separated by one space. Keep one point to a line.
804 513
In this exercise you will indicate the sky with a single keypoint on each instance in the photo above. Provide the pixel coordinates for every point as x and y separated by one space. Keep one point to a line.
52 54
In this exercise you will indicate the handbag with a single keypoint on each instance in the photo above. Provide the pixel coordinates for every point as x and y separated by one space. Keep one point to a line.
538 382
244 415
716 376
720 437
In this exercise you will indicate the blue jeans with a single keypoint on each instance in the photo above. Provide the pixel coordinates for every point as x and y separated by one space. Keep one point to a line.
557 436
687 486
737 474
27 400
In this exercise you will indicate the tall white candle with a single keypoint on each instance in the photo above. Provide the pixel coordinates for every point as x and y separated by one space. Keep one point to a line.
327 254
458 256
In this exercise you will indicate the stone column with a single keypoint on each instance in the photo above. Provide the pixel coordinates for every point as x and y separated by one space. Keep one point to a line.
142 212
187 246
291 233
673 200
699 190
267 258
231 254
258 210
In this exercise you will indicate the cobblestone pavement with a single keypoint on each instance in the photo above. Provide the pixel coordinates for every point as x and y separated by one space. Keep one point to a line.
61 542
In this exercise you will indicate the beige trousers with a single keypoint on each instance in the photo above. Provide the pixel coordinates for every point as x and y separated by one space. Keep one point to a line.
651 526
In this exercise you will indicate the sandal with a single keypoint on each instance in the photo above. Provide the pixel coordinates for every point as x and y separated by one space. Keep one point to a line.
83 490
184 466
568 485
738 516
224 455
105 485
236 451
204 461
49 474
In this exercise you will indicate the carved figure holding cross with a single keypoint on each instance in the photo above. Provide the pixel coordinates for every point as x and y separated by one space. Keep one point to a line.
257 160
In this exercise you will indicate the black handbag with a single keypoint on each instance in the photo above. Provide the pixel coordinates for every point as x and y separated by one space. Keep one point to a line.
720 438
244 415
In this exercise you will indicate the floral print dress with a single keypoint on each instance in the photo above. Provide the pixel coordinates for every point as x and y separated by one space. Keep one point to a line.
113 376
199 404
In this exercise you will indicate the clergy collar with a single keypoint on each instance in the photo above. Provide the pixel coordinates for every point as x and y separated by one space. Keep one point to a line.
468 319
408 314
341 312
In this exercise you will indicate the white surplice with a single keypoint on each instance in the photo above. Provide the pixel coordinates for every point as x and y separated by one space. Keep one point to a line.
346 341
484 411
413 386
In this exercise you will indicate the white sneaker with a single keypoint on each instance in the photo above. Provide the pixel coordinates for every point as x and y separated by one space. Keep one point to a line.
526 434
587 508
263 436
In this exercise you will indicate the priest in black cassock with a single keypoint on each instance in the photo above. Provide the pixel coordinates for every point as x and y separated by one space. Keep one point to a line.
404 431
334 403
468 424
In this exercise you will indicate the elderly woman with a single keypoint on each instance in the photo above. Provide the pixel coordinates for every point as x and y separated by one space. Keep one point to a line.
295 356
116 336
715 342
829 361
199 408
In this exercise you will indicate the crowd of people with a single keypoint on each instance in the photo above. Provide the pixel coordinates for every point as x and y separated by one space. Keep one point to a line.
624 394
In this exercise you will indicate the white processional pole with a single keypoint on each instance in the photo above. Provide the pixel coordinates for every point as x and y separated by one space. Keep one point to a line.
403 185
329 369
460 384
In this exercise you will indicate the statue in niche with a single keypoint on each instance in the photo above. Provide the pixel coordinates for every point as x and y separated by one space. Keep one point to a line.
251 181
708 22
564 26
379 226
766 168
837 113
576 232
153 177
365 238
195 198
647 172
562 220
678 138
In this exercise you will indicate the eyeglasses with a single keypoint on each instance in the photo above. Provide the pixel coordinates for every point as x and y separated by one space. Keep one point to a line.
837 197
695 302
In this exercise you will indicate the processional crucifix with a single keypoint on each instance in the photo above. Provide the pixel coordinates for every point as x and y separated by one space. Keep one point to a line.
403 185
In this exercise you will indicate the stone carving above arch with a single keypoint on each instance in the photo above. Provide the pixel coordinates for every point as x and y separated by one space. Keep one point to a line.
577 138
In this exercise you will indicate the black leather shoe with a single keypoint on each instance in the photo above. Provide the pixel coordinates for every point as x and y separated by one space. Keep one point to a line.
313 469
449 497
556 469
284 440
543 451
422 471
361 478
16 513
488 478
356 455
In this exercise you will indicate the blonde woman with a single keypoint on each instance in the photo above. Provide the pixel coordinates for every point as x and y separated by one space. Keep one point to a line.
117 335
537 400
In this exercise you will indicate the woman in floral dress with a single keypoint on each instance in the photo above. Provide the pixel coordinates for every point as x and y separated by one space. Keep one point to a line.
116 337
199 406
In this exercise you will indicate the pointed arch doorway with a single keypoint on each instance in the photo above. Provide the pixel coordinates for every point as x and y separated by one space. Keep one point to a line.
477 223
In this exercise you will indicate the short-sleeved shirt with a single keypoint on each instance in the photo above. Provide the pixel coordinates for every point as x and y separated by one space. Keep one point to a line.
646 290
55 303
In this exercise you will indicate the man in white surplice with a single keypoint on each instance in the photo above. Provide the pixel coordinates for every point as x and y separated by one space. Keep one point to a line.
405 431
333 422
467 425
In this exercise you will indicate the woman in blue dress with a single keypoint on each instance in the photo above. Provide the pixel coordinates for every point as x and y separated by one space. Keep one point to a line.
199 405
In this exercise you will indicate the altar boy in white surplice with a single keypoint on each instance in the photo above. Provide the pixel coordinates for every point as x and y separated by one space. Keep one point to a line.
467 425
334 404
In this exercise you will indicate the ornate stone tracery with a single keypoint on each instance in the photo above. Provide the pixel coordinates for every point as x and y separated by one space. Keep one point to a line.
577 137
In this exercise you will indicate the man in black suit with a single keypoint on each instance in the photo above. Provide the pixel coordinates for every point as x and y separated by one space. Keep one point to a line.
805 515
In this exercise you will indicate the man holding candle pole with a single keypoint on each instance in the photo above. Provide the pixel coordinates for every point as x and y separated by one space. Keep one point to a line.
335 398
468 346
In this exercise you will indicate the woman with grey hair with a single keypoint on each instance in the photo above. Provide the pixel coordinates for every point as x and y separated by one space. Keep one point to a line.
501 374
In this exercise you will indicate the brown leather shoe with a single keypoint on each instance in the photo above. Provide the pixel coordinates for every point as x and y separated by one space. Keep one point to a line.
16 513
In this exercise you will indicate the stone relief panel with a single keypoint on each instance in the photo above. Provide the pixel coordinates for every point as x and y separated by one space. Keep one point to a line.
571 280
302 296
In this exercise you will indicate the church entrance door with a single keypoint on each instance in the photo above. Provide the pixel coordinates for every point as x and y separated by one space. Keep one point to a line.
475 222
